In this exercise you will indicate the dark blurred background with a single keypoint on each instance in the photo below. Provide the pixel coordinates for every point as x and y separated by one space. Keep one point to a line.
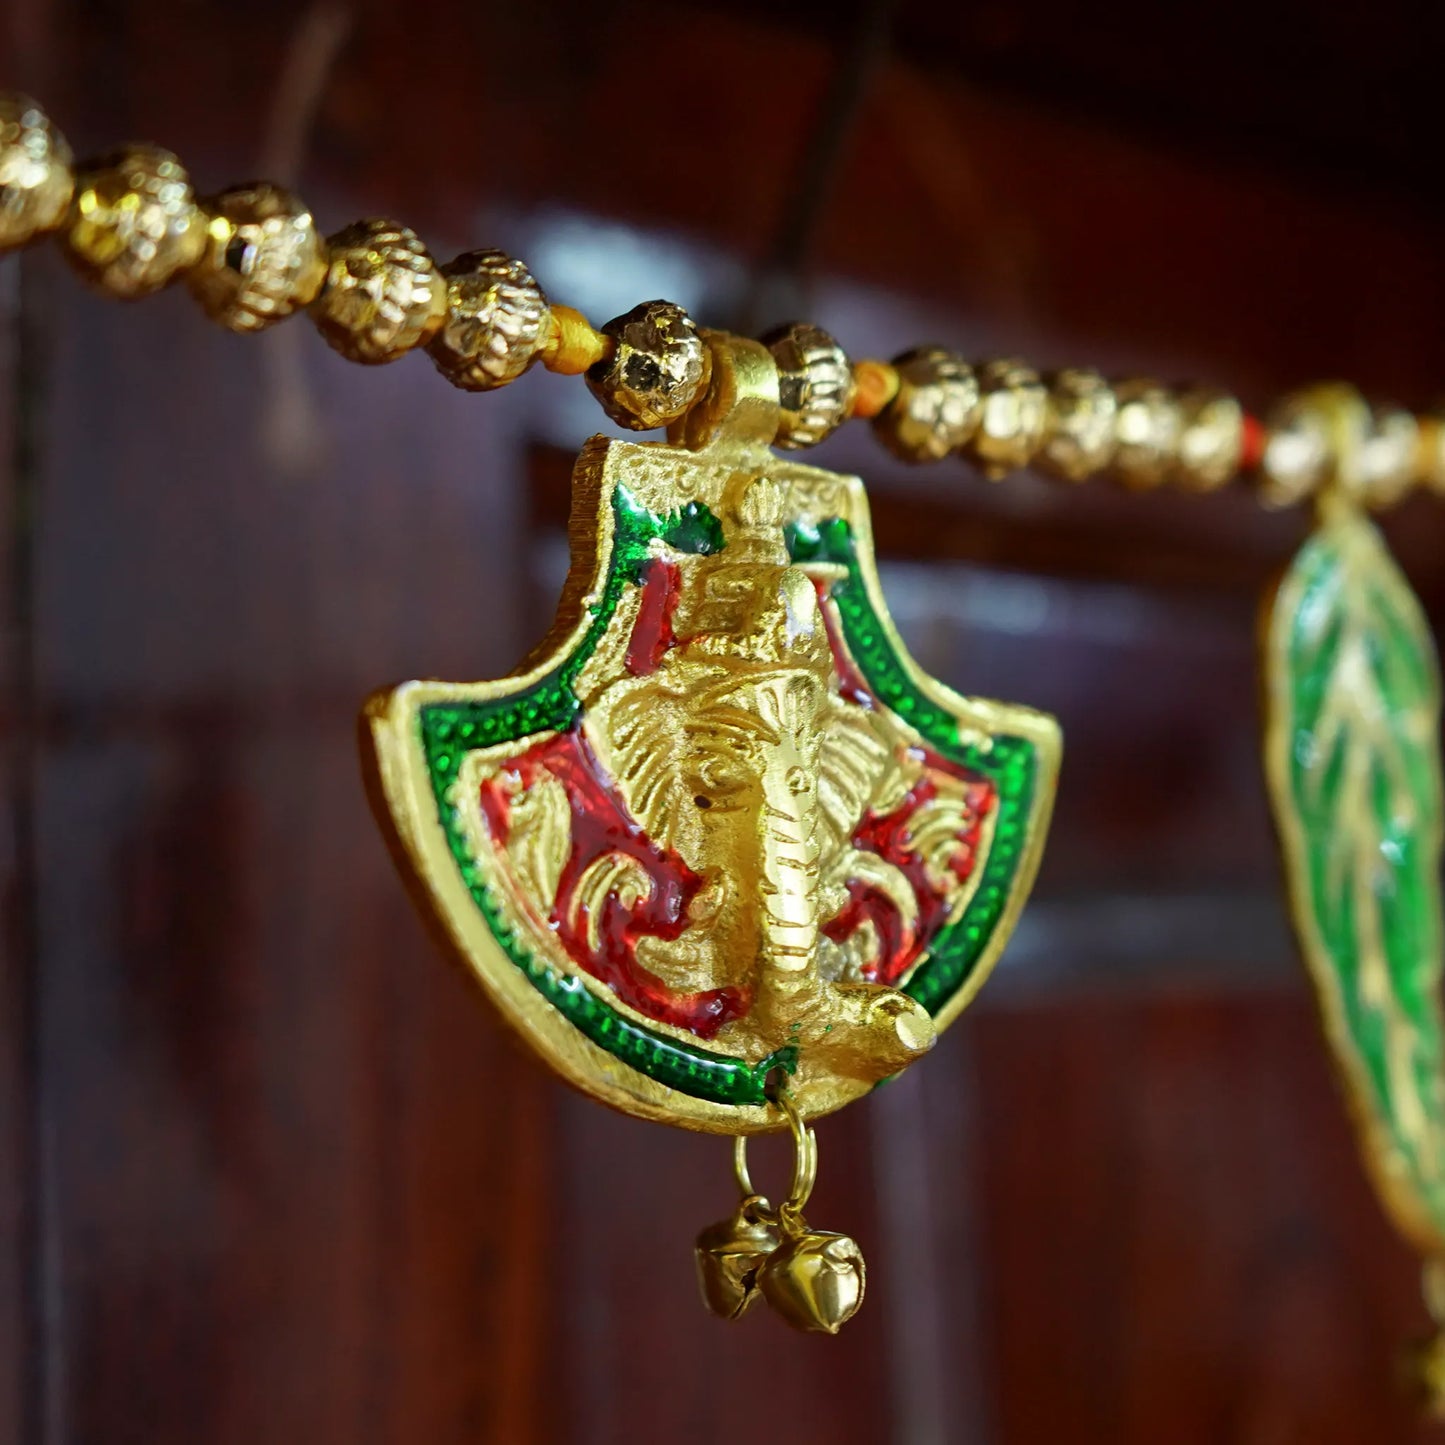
269 1171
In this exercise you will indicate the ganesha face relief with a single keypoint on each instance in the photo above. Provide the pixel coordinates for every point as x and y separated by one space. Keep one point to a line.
724 827
724 758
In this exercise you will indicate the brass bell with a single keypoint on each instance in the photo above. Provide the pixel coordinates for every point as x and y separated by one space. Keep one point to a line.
815 1279
729 1255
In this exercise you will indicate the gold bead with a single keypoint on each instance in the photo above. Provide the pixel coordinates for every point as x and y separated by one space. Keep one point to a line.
815 383
383 293
35 176
1013 419
1309 432
1081 432
1387 465
936 408
496 321
134 223
263 258
657 369
1147 431
1329 436
1211 440
1430 451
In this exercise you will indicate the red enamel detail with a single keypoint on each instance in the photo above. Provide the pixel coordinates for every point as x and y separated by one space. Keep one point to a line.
889 835
601 826
1251 445
850 680
652 633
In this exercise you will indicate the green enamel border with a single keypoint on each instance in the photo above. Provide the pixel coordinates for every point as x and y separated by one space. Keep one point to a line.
450 730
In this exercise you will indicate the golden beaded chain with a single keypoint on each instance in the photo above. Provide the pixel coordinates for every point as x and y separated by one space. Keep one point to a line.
131 223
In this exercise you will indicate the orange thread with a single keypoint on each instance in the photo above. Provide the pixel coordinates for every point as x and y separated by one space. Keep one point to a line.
875 384
573 343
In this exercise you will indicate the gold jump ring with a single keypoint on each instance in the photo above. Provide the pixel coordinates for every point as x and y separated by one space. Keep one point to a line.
805 1158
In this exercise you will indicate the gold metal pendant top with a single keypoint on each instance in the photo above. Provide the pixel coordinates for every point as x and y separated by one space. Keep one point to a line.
720 824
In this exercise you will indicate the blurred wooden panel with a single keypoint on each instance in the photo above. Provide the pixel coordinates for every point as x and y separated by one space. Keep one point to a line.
1203 1261
18 1163
259 1075
285 1208
1236 82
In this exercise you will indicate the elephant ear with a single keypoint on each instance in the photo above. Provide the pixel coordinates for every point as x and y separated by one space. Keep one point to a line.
642 752
540 838
858 769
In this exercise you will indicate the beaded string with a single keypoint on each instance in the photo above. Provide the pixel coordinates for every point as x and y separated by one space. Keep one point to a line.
131 224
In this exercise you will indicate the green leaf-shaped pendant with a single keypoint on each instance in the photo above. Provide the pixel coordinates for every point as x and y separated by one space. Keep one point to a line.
1352 755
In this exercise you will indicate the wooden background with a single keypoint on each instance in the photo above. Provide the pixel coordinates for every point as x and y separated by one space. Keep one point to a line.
268 1170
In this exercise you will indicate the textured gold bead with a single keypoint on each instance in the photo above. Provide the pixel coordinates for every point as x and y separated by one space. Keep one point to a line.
383 295
1388 460
1083 411
35 176
815 383
1211 440
496 321
134 223
1329 436
1430 451
936 409
1308 432
263 258
657 369
1147 430
1013 418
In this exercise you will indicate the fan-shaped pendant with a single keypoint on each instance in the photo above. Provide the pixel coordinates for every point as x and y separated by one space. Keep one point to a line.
720 824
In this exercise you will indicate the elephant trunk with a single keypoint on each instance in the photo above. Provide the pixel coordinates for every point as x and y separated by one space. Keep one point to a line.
789 886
